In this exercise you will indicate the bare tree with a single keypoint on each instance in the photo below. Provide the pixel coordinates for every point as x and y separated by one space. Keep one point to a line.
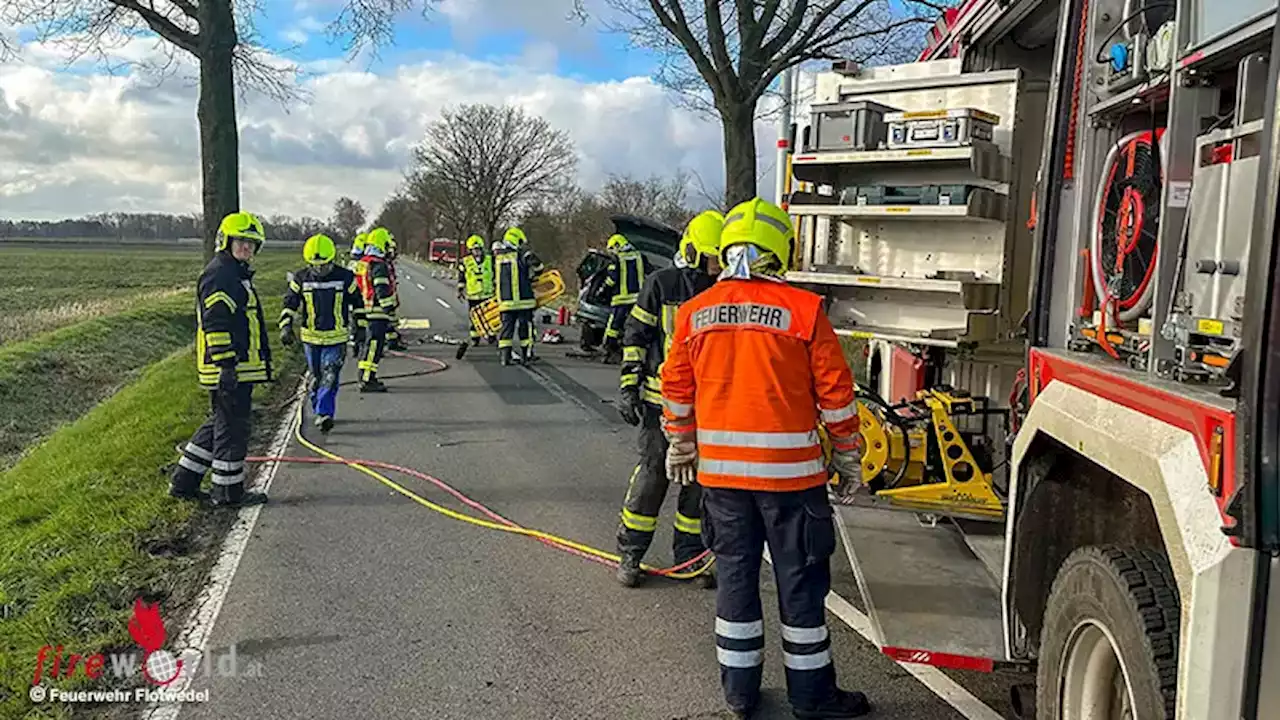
480 164
348 217
659 198
722 56
219 36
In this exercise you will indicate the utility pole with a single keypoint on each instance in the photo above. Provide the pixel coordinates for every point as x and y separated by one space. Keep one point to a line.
784 136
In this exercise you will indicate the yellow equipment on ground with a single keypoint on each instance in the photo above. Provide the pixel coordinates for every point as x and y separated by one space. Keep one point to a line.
916 458
546 289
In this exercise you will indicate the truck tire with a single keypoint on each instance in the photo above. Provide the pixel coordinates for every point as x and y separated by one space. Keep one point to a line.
1111 624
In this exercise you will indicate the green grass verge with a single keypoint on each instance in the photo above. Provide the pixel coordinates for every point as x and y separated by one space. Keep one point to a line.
86 527
54 378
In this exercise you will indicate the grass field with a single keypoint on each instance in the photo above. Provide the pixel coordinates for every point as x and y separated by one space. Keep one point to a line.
94 409
56 375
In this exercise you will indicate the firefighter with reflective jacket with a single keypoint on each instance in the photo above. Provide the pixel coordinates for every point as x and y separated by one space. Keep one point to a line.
379 308
232 355
319 300
475 280
645 340
625 276
515 269
753 368
394 340
358 323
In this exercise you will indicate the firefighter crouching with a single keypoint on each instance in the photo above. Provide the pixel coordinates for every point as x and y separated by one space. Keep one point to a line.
515 268
320 300
379 308
359 325
625 276
646 337
232 355
750 357
475 280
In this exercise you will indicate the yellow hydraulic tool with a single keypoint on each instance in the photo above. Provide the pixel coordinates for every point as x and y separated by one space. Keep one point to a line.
916 458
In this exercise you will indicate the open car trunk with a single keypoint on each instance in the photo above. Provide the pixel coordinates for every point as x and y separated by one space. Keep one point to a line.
656 241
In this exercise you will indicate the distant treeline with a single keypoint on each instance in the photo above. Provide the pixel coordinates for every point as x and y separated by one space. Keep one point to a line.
154 226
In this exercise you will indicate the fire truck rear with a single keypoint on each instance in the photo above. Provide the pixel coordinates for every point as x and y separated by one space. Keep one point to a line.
1054 237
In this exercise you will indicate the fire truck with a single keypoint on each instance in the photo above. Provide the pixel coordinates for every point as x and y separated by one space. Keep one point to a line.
1053 238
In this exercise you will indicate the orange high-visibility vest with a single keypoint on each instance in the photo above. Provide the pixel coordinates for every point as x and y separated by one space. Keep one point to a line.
754 365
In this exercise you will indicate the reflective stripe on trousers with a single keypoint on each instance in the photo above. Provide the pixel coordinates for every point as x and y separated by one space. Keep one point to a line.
801 536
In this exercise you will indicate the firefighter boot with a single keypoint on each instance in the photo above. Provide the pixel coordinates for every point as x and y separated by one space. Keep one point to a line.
504 355
842 704
185 485
324 422
235 496
629 572
707 579
373 385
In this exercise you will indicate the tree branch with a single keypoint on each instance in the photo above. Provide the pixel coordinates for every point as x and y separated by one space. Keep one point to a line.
676 24
716 39
162 26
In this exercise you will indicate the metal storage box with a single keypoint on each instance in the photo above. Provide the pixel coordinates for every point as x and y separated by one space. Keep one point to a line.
858 125
957 127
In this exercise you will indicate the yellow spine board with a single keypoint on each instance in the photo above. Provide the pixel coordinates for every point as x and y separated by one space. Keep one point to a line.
488 319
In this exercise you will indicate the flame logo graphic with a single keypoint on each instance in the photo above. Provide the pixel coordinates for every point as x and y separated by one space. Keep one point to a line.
147 629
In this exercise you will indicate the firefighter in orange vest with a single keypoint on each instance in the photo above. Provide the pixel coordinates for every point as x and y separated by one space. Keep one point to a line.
754 366
380 307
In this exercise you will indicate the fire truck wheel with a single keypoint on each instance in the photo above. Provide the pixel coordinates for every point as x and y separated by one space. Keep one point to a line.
1109 647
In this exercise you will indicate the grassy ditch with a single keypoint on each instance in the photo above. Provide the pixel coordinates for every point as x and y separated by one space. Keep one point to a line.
86 527
55 377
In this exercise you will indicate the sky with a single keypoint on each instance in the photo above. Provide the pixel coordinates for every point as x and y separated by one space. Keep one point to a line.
82 136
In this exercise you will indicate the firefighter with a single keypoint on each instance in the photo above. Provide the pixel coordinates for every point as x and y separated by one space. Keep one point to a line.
515 269
475 281
753 368
320 299
625 276
232 355
379 308
646 337
359 324
394 340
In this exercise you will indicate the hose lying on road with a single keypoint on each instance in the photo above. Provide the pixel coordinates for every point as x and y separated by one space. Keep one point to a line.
497 521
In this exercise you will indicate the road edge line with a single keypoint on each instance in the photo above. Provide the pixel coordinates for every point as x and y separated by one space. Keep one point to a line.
947 690
192 643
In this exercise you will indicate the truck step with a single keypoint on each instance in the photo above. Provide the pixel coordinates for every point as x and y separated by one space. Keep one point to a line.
930 594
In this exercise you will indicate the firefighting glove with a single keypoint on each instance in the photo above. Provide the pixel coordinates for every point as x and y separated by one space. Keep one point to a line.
628 405
848 464
682 458
286 335
228 380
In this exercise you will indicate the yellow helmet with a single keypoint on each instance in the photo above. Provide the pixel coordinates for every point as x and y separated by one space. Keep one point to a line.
379 238
240 225
760 223
515 237
357 245
475 241
702 237
319 249
616 242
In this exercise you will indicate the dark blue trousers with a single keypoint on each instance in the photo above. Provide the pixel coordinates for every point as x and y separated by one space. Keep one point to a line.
800 531
325 363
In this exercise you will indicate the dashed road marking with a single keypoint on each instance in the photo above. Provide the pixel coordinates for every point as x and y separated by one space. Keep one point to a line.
421 286
443 304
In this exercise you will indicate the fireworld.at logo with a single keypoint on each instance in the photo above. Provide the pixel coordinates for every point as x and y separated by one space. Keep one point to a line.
159 666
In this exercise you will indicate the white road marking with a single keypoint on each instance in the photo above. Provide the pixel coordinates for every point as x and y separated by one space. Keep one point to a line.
421 286
443 304
931 677
193 642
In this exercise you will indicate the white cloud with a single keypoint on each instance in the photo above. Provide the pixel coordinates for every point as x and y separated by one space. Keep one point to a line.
75 143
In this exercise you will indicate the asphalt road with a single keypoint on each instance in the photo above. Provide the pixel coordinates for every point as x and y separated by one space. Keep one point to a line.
356 602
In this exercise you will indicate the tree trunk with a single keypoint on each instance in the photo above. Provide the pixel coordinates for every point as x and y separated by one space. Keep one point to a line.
739 153
216 113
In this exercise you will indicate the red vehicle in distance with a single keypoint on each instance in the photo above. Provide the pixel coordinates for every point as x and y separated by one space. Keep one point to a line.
443 251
